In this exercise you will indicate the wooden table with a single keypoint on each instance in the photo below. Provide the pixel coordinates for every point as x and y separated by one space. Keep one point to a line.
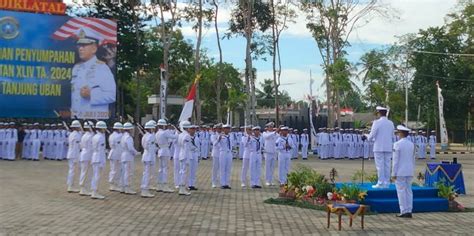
343 208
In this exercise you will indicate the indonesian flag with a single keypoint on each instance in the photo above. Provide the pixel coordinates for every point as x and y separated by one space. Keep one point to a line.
104 30
187 111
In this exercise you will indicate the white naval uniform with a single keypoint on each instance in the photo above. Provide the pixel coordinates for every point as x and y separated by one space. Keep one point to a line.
215 153
58 147
238 142
164 140
245 140
11 137
127 158
338 144
185 152
95 75
3 143
432 142
98 159
85 157
269 138
26 145
204 138
422 140
193 160
256 145
323 145
284 146
403 168
35 137
225 158
381 133
114 159
304 145
148 159
176 151
73 155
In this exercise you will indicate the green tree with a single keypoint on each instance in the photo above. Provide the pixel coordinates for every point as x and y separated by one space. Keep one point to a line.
266 96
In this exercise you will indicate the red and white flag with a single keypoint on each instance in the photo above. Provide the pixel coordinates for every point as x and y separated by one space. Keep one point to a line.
105 29
187 111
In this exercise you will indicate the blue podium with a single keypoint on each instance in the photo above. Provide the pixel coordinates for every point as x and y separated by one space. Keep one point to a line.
452 173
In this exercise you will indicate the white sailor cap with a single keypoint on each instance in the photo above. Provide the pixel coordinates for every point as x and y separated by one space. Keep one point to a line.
226 126
403 128
256 128
270 124
284 128
118 125
305 129
380 108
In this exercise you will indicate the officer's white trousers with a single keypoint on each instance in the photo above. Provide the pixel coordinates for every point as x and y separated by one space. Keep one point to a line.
270 160
59 150
115 172
241 151
422 151
404 193
255 169
432 151
225 162
35 149
86 173
147 168
284 165
96 169
182 172
204 152
26 149
382 164
11 150
72 170
215 170
193 166
163 169
304 151
127 170
245 170
176 169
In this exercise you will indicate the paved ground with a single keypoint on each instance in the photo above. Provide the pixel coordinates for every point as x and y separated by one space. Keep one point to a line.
33 200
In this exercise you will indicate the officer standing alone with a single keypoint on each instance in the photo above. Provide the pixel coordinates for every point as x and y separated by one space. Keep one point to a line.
403 168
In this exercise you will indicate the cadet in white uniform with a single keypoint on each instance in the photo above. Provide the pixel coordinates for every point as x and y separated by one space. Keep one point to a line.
269 136
215 153
432 142
225 157
204 139
164 139
11 137
175 152
193 160
35 137
73 153
304 144
85 158
98 158
381 133
25 153
128 158
284 145
185 152
402 171
256 157
114 157
93 85
148 158
422 141
245 140
2 140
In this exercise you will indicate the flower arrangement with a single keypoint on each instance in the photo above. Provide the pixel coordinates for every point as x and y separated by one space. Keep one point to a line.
352 192
446 190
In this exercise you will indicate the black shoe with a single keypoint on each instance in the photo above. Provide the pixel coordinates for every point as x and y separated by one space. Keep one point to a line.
35 160
254 186
258 186
223 187
406 215
192 188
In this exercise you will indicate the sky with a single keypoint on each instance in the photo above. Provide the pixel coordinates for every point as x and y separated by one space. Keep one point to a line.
299 52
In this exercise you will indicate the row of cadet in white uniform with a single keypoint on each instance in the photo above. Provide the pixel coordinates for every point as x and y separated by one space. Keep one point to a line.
53 139
87 149
348 143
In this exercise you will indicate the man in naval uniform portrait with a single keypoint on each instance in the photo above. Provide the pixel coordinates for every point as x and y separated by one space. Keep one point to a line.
93 86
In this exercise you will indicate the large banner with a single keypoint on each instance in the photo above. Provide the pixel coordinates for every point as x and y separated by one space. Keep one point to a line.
442 124
53 66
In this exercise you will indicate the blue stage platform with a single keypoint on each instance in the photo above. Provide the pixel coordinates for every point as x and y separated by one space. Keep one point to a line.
425 199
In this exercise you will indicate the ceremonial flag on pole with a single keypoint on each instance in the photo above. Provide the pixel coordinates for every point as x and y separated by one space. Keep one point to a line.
442 124
187 111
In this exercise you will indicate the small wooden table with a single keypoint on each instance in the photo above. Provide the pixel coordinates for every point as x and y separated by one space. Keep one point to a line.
350 209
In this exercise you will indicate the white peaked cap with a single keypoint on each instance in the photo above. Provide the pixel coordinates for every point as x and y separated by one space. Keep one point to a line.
128 126
403 128
162 122
75 124
118 125
101 125
380 108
